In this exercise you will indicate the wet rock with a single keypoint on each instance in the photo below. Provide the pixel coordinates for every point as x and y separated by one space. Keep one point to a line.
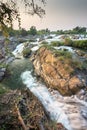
3 69
58 74
20 110
84 113
2 73
80 53
9 59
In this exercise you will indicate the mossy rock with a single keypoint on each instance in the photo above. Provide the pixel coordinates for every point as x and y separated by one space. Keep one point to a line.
26 52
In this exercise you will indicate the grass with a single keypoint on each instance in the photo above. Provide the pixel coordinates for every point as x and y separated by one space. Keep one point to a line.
56 43
82 44
65 56
49 47
3 89
26 52
32 40
3 65
62 54
44 43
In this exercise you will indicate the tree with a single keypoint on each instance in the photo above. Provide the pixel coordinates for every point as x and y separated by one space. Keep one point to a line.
33 30
47 30
10 11
79 30
23 32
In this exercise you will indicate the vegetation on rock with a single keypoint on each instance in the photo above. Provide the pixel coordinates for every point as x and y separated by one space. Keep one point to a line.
59 70
20 110
56 43
26 52
77 44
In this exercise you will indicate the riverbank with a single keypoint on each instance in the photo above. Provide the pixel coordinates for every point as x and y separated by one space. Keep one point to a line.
59 109
20 110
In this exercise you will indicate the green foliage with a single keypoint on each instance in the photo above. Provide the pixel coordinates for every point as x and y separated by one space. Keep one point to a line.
21 40
80 44
44 43
23 32
3 89
33 30
79 30
62 53
49 47
68 42
3 65
26 52
43 31
77 64
76 30
56 43
32 40
13 32
9 11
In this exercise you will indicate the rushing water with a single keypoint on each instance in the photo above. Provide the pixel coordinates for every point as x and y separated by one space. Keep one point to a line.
17 52
70 111
13 80
46 99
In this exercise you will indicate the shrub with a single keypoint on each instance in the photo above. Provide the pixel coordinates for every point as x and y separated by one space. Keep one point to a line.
62 53
26 44
56 43
49 37
26 52
49 47
3 89
21 40
68 42
32 40
44 43
80 44
33 30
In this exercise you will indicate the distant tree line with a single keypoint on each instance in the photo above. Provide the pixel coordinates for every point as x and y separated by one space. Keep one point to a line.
76 30
33 31
23 32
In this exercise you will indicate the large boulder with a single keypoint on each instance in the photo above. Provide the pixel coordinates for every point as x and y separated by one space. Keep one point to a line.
57 73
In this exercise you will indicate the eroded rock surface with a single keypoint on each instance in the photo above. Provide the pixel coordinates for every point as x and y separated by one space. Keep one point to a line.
20 110
57 73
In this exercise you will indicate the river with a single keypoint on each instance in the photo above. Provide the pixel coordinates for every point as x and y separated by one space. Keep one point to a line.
70 111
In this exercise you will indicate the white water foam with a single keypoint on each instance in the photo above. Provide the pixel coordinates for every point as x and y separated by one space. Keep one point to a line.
42 93
70 111
17 52
56 38
70 49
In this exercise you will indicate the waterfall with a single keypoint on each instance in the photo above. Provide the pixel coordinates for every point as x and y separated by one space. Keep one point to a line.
42 93
70 111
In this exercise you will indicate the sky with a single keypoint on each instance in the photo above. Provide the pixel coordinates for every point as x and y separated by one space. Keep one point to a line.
60 14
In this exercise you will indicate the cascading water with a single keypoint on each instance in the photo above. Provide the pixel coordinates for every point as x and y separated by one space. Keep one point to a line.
46 99
70 111
17 52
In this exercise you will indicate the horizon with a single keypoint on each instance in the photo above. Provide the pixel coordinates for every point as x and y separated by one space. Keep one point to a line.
60 15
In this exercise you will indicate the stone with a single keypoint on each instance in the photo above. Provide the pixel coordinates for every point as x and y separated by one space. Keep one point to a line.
57 74
2 74
20 108
3 69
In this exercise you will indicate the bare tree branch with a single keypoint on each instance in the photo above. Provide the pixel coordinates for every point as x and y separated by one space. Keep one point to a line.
9 11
